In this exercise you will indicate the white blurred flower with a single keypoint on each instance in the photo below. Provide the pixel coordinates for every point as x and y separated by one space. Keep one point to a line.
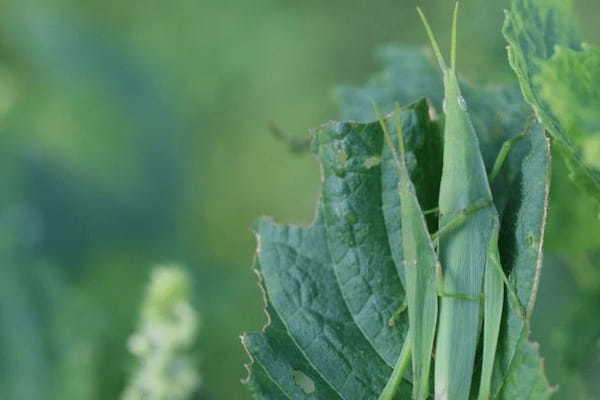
166 332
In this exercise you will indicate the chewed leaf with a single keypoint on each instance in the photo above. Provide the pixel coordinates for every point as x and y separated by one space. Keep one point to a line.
333 287
534 31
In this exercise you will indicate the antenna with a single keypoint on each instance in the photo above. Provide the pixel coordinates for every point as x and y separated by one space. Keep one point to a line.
432 39
454 35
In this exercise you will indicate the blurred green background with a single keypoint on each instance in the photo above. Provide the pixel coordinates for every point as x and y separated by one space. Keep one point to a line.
135 132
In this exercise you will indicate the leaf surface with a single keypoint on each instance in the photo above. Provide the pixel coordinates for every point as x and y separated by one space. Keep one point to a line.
570 85
333 287
544 48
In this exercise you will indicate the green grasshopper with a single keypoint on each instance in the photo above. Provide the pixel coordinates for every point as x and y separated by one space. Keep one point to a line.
471 282
421 263
468 242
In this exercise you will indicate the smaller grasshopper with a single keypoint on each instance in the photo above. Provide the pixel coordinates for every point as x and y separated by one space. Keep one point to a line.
421 263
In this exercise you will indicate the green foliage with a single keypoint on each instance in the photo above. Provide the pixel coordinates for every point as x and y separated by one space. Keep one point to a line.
540 34
559 77
133 134
331 288
568 84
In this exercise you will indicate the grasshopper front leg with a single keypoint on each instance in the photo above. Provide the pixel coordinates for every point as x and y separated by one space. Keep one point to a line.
460 218
505 150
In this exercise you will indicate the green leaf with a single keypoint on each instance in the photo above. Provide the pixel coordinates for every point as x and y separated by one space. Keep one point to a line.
331 288
523 226
525 379
536 31
568 84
